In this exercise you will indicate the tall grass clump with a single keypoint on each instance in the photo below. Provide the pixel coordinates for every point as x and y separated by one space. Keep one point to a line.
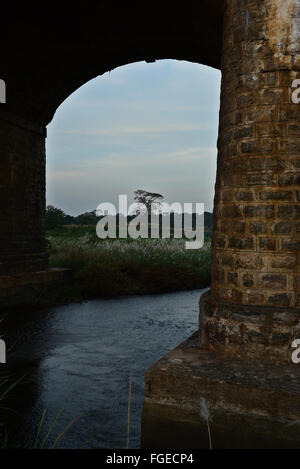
115 267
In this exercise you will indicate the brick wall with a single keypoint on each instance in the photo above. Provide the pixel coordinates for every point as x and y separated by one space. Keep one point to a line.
22 196
257 203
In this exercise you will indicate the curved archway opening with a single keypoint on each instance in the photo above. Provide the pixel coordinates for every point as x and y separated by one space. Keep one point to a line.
142 126
152 125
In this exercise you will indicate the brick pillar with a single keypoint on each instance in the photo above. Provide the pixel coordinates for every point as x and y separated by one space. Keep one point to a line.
253 308
22 196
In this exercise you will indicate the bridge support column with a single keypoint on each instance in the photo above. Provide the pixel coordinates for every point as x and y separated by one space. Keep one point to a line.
254 305
22 196
24 270
239 363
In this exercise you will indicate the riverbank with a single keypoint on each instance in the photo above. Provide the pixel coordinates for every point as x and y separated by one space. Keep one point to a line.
113 268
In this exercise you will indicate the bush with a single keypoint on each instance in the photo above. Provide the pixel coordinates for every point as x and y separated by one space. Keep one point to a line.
108 268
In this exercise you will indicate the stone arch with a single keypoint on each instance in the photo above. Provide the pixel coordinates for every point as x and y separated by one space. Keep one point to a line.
256 244
57 56
72 51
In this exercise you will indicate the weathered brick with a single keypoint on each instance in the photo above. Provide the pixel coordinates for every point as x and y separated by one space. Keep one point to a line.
236 295
271 96
272 79
219 275
295 162
243 132
274 281
238 227
240 165
289 211
290 245
232 278
231 150
256 164
290 147
245 100
281 338
258 146
244 196
289 112
297 283
232 211
259 211
279 195
260 179
283 227
248 280
263 114
228 259
258 228
294 129
267 244
288 179
281 299
255 298
220 242
227 196
249 262
270 129
275 164
241 243
285 262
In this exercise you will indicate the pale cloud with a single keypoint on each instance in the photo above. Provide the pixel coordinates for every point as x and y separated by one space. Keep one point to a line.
136 130
144 107
192 153
117 161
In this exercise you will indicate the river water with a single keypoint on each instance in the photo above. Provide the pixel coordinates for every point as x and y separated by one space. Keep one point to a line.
78 359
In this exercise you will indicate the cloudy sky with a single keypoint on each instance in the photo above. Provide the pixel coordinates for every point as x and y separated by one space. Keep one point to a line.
141 126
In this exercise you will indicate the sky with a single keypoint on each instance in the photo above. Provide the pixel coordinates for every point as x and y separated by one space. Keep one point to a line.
141 126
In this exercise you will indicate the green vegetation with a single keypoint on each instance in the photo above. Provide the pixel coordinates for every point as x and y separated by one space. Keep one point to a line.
116 267
41 437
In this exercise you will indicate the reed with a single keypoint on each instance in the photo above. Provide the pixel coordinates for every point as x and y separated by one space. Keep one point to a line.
111 268
206 416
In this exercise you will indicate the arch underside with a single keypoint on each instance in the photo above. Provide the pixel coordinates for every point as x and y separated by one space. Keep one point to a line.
49 54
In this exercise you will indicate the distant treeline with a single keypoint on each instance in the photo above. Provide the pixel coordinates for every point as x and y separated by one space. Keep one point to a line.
56 217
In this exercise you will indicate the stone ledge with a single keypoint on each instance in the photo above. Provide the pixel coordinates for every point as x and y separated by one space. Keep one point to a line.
252 404
33 288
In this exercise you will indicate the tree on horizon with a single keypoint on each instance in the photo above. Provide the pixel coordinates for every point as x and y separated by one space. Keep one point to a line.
151 200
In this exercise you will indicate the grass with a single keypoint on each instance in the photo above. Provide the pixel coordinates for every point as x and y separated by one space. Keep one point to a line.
206 415
129 410
114 267
8 440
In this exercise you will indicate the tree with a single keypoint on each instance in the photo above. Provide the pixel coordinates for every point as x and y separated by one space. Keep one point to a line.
54 217
88 218
151 200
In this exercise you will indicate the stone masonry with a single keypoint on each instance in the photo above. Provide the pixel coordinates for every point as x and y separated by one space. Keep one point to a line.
254 304
22 204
